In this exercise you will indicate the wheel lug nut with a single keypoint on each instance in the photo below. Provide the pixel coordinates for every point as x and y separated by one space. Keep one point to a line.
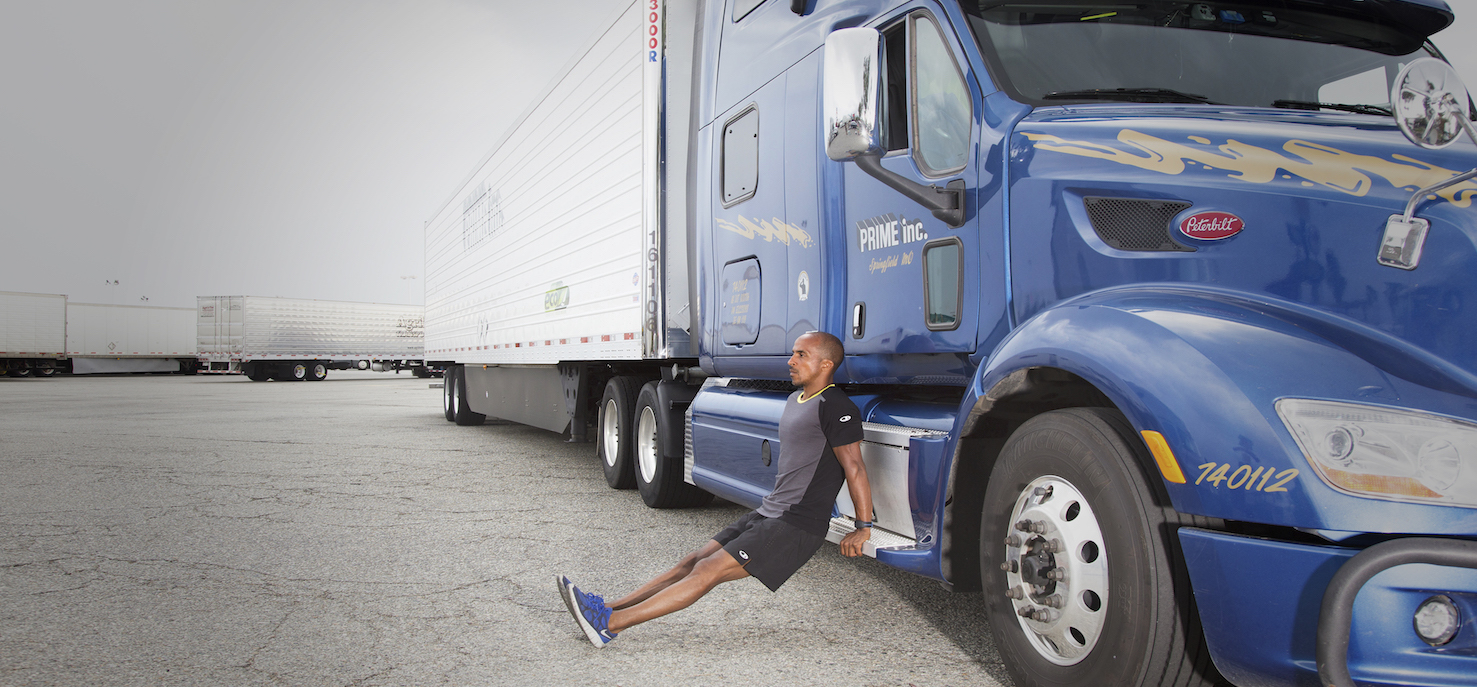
1010 566
1015 593
1056 601
1012 541
1039 527
1026 612
1041 615
1056 574
1054 546
1023 525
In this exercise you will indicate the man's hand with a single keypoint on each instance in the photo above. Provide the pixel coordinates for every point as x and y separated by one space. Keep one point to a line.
850 457
851 544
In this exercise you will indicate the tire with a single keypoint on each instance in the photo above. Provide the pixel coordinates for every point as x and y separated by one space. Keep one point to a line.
20 372
464 415
448 398
1123 613
615 440
44 372
658 469
293 372
317 371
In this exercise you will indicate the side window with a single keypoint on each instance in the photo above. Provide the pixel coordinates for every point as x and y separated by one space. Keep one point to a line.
895 88
941 103
741 157
742 8
942 263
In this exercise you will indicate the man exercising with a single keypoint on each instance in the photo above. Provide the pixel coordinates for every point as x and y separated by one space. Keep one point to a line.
820 445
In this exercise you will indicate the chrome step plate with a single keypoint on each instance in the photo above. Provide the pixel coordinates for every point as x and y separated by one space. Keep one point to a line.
881 539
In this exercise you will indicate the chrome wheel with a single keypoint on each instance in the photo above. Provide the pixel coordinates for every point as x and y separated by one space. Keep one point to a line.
610 433
1056 566
646 445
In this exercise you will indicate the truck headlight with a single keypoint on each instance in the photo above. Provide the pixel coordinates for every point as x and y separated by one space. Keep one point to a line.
1400 455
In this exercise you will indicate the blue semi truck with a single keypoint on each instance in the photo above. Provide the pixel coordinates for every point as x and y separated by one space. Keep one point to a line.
1156 310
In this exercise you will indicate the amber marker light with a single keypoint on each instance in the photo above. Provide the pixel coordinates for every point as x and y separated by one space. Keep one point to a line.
1168 466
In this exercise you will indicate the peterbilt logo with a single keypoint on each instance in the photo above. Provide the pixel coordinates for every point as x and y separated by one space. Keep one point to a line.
1211 226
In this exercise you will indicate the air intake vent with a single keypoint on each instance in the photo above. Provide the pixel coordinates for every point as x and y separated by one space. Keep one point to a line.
1135 224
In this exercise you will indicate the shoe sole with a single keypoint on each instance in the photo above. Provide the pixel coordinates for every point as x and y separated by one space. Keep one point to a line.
566 592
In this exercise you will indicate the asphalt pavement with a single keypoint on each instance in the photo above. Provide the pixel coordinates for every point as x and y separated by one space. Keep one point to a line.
210 530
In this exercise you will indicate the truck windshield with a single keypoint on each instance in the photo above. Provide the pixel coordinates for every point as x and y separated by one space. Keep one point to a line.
1270 53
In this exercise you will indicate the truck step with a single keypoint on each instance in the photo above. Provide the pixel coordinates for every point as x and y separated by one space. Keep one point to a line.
881 539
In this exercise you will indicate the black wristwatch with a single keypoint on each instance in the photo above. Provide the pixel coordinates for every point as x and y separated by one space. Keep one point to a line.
863 524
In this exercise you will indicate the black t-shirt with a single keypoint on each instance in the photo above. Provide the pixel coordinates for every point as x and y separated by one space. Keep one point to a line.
809 476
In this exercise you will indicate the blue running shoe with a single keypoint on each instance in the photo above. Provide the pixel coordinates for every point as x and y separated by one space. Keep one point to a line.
589 610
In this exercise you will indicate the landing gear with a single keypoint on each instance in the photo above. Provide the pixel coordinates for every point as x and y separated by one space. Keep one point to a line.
1084 580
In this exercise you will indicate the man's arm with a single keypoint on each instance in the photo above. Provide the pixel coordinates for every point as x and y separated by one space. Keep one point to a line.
850 457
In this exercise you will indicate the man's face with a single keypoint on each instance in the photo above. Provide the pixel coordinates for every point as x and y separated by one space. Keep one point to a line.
806 363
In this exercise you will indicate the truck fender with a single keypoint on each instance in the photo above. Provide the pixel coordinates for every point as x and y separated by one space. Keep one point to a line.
673 398
1205 368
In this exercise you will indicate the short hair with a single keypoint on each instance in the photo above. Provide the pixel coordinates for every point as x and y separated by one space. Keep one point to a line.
829 347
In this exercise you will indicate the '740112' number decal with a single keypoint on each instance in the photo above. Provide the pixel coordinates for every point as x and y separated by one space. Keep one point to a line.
1260 479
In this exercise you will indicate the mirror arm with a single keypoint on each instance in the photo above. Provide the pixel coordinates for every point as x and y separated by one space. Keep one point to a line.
1418 196
947 204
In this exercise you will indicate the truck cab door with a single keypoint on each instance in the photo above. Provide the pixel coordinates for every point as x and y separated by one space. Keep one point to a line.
751 234
912 280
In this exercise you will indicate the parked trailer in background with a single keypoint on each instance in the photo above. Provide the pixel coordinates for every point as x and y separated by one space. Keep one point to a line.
103 338
1155 312
33 333
291 339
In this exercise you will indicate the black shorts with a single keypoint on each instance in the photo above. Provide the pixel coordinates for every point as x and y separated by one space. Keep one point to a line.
770 549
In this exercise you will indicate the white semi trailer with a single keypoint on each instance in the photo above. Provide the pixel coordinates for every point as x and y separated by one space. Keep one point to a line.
290 339
33 333
104 338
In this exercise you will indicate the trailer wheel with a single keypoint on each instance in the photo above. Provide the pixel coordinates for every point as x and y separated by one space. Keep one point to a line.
20 372
658 474
317 370
1081 567
616 440
464 415
45 371
448 396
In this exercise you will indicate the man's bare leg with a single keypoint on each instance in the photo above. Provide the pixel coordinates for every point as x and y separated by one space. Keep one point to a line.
710 571
666 579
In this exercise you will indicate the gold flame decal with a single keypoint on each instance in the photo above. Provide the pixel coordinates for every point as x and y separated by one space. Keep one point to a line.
1313 162
772 230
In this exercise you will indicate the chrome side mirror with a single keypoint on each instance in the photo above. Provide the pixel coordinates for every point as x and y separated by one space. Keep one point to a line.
1431 104
849 100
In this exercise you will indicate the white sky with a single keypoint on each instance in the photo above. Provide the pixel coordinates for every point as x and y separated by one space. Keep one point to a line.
271 147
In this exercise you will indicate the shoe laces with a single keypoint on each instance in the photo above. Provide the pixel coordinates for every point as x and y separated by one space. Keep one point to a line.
595 604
